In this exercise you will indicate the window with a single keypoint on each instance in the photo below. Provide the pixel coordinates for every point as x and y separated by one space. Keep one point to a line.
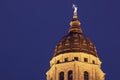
85 59
76 58
93 61
67 44
84 42
70 75
61 76
66 59
58 61
86 75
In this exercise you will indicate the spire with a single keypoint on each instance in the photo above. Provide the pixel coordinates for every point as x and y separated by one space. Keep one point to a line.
75 23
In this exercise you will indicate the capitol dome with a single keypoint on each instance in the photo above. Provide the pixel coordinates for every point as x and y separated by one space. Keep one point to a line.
75 41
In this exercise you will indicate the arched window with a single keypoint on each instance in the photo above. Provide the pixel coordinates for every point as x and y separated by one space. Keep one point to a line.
86 75
61 76
70 75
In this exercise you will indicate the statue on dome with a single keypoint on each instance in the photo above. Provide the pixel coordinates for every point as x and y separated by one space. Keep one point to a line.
75 9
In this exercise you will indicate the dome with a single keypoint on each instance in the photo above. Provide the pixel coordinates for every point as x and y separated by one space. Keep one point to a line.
75 41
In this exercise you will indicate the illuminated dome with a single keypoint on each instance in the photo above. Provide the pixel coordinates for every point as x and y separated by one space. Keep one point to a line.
75 41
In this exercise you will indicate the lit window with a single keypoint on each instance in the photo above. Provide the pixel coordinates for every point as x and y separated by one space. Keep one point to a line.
76 58
86 75
70 75
61 76
66 59
84 42
85 59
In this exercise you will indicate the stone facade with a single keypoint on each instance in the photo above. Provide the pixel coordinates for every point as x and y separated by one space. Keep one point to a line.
78 62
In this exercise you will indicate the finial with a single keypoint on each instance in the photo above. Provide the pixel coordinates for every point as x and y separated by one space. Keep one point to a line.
75 9
75 23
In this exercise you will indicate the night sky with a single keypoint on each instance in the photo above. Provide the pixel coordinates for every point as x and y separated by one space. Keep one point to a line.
30 30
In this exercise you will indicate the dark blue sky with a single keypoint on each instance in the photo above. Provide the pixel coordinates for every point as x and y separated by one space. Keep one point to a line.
30 29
